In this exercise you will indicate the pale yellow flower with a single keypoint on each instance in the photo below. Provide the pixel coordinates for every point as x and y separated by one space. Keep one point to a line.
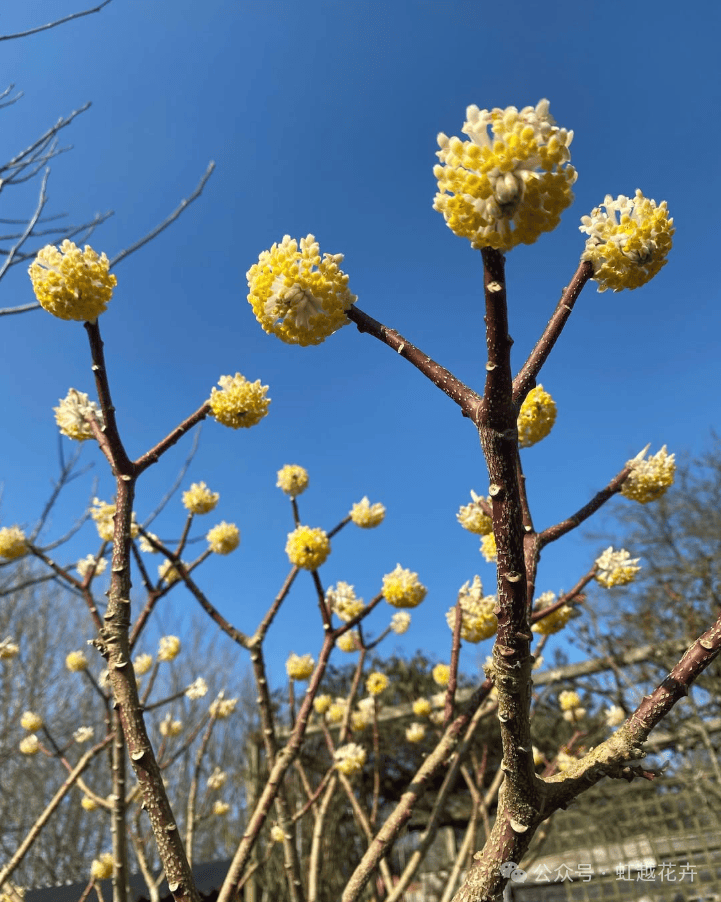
168 648
83 734
615 716
170 727
168 573
142 664
400 622
473 518
336 712
564 761
145 545
307 547
538 756
223 538
197 689
359 720
321 703
88 804
299 667
220 808
76 661
199 499
293 480
30 745
31 721
70 283
441 674
86 564
221 707
478 621
8 649
488 547
343 601
536 418
415 732
376 683
103 513
649 478
297 296
217 779
402 589
367 515
276 833
13 544
349 641
102 868
350 758
507 189
73 415
616 568
568 700
239 403
422 707
552 623
627 252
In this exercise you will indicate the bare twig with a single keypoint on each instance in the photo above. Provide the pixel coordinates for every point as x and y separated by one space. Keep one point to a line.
25 34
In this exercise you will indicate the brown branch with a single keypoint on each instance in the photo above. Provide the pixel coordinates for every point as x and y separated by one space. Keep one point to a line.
24 34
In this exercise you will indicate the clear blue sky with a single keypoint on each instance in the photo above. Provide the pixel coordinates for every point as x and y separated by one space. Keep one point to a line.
322 117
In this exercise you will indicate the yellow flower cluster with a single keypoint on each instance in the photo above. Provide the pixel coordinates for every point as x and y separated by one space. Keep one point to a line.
239 403
554 622
86 564
367 515
422 707
507 189
8 649
170 727
478 621
402 589
293 480
415 732
376 683
650 478
168 573
83 734
13 544
297 296
336 712
142 664
627 252
307 547
536 418
102 513
197 689
220 807
570 704
276 833
220 708
168 648
223 538
441 674
30 745
31 721
350 758
616 568
199 499
615 716
88 804
349 641
400 622
299 667
73 414
343 601
76 661
321 703
488 547
70 283
473 518
102 868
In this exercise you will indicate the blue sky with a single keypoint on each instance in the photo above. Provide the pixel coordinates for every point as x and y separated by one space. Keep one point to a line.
322 117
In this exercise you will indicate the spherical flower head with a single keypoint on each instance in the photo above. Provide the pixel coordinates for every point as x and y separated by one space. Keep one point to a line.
627 252
536 418
402 589
422 707
400 622
359 721
574 715
168 648
343 601
170 727
103 513
239 403
168 573
76 661
650 478
615 716
307 547
9 649
293 480
376 683
349 642
564 761
507 189
350 758
83 734
568 700
199 499
220 808
616 568
336 712
473 518
415 732
102 868
297 296
142 664
488 547
478 621
441 674
197 689
88 804
276 833
299 667
220 708
145 545
13 544
224 538
367 515
70 283
30 745
552 623
73 414
97 565
321 703
217 779
31 721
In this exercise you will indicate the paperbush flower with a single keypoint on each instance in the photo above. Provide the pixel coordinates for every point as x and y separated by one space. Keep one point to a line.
568 699
30 745
367 515
321 703
336 712
8 649
536 417
199 499
402 589
76 661
220 808
422 707
297 296
73 414
299 667
650 478
307 547
31 721
349 641
83 734
400 622
13 544
142 664
507 189
239 403
473 518
168 573
359 720
88 804
220 708
145 545
197 689
615 716
343 601
478 621
70 283
376 683
102 513
170 727
102 868
223 538
415 732
441 674
627 252
293 480
168 648
276 833
616 568
350 758
488 547
89 563
554 622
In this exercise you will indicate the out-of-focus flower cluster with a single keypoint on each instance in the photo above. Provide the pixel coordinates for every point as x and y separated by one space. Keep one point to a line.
343 601
350 758
103 513
299 667
168 648
13 544
223 538
376 683
616 568
570 703
400 622
478 621
553 622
